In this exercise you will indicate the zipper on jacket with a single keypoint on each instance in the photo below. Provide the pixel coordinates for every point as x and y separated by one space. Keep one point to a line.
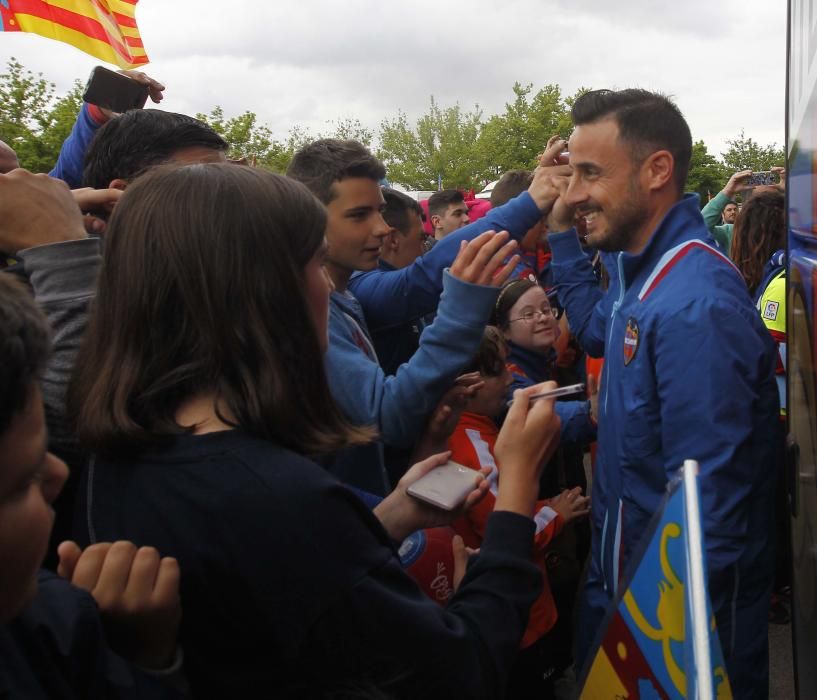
616 306
604 549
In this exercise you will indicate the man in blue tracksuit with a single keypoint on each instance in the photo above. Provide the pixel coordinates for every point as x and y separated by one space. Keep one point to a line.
689 367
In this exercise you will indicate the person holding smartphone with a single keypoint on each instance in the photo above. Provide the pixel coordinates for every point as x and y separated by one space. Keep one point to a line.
289 582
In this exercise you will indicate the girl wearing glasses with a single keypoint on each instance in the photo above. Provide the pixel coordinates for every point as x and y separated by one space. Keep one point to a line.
530 326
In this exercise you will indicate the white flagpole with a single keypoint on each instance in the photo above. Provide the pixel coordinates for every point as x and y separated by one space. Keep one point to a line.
696 584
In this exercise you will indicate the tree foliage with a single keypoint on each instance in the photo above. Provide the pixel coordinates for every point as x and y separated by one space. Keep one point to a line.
442 145
744 153
33 121
462 147
707 175
514 138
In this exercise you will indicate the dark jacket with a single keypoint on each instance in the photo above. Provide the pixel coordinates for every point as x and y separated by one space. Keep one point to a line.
56 649
289 582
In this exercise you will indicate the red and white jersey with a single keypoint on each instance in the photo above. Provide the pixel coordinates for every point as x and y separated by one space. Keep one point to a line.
472 445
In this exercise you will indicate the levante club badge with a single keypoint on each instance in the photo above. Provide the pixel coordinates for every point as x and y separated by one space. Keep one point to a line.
630 341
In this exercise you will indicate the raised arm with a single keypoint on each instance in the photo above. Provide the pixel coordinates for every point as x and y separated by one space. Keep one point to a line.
398 296
399 405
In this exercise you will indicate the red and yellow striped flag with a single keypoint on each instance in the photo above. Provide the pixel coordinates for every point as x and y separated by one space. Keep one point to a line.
105 29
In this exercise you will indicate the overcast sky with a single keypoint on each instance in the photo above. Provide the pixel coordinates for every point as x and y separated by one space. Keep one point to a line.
314 61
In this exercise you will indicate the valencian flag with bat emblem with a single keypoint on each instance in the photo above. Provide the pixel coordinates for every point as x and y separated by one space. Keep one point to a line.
106 29
659 638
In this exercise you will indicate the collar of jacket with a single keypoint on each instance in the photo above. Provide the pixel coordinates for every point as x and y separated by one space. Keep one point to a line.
476 421
683 222
536 365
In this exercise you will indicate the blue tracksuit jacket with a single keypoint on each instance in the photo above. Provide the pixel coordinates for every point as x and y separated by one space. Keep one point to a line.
72 154
398 405
393 297
689 374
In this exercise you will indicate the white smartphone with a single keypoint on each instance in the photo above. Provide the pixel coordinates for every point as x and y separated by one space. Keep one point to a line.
445 487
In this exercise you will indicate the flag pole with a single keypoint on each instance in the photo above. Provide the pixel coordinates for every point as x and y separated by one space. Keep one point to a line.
696 584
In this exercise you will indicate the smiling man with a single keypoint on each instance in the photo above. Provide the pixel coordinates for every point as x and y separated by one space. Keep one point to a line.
689 368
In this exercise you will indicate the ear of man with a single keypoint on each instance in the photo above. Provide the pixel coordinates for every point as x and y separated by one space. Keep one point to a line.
657 170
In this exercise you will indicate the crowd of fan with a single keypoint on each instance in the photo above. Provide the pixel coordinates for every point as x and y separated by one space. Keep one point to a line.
245 372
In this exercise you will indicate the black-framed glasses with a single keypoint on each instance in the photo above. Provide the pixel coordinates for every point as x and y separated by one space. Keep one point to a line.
531 316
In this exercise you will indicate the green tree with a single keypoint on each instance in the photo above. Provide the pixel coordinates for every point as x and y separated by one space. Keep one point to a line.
32 120
745 153
514 138
249 139
442 144
351 128
707 175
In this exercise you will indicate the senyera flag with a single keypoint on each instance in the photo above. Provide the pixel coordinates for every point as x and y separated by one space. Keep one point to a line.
105 29
659 638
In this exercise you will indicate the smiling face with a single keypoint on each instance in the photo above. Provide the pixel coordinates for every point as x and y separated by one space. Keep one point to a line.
605 187
30 480
355 228
531 323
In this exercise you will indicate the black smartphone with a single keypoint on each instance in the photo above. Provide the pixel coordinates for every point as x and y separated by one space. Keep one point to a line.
114 91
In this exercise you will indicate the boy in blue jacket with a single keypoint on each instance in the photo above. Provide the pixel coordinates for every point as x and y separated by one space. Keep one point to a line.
344 175
689 367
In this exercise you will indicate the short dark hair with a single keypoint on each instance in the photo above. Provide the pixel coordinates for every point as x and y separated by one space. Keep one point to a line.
25 345
398 206
511 184
440 201
139 139
201 290
647 121
322 163
489 360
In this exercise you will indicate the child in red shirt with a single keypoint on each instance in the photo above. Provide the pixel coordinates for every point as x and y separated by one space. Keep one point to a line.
472 445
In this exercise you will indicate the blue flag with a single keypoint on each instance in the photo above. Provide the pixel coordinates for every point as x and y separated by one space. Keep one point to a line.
659 638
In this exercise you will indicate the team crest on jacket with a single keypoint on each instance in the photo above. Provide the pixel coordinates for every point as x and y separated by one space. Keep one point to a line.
630 340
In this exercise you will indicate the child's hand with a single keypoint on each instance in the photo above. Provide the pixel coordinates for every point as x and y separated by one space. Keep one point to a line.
137 593
461 556
446 415
571 505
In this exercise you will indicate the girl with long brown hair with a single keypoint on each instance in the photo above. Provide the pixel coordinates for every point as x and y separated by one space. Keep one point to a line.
201 391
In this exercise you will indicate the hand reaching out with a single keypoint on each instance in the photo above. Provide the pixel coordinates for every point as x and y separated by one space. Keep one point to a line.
571 505
480 261
446 415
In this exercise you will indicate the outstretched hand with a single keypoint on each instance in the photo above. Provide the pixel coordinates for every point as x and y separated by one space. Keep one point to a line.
481 260
570 504
446 415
